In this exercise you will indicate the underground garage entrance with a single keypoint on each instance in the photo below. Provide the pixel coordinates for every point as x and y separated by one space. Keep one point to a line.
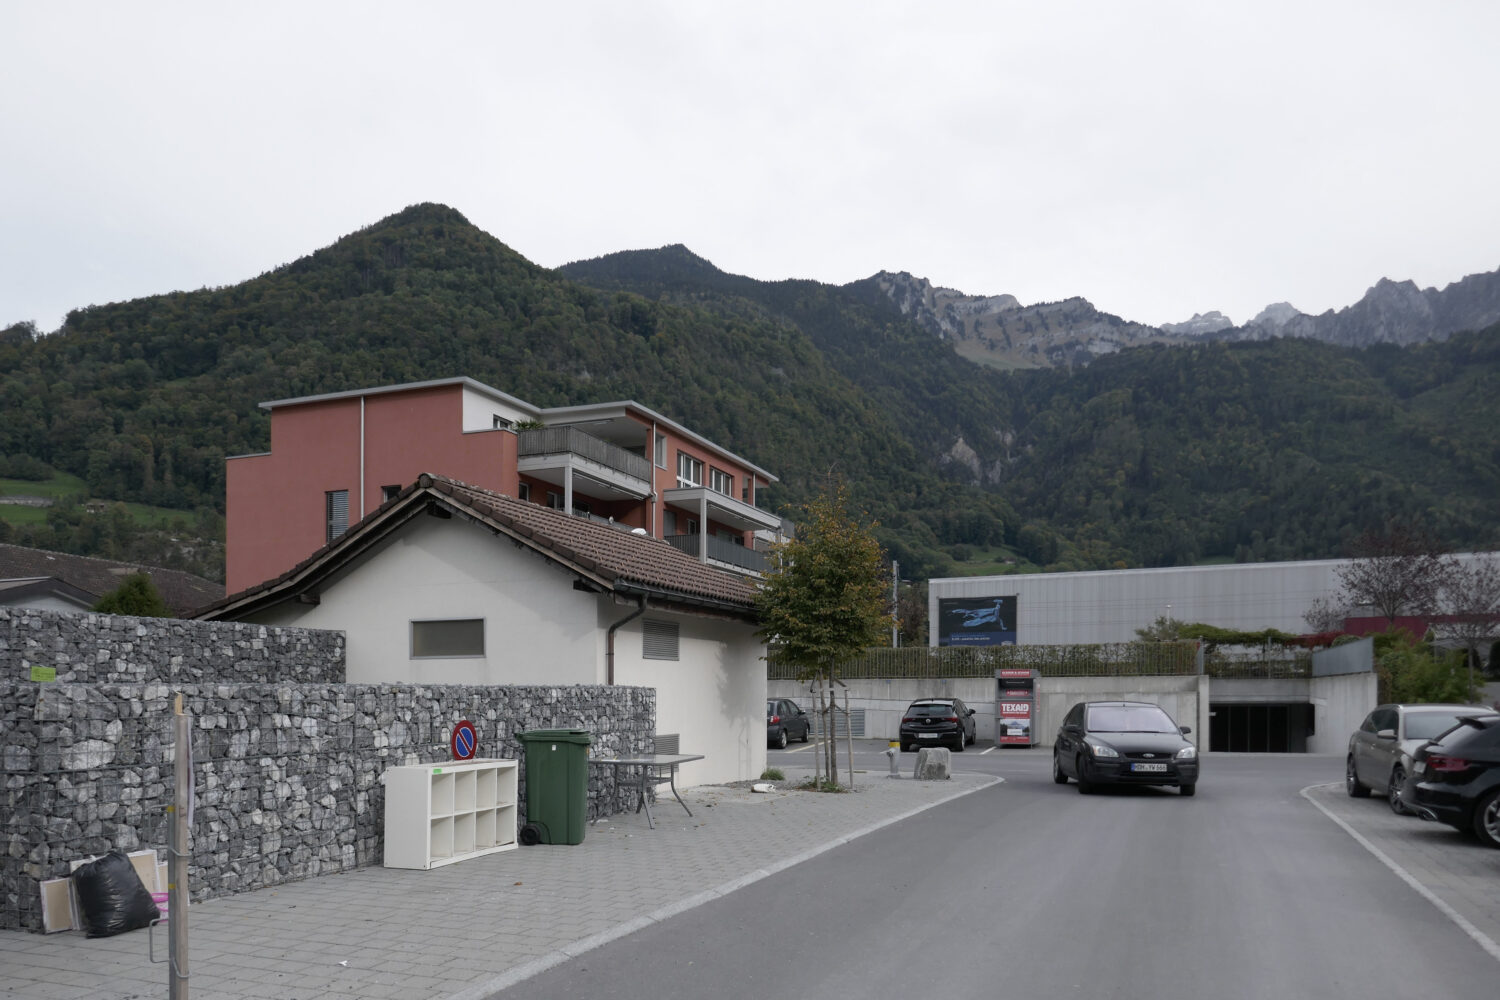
1259 727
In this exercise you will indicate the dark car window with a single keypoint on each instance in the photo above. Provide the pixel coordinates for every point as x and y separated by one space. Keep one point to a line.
1074 716
1476 734
1129 719
930 709
1429 725
1384 719
1368 726
770 709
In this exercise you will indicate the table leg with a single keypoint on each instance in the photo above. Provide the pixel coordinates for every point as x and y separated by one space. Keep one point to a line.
672 780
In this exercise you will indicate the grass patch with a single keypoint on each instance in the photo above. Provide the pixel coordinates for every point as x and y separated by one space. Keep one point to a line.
821 785
772 774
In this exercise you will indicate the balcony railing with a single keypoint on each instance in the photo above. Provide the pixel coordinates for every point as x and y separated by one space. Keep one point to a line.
572 441
721 551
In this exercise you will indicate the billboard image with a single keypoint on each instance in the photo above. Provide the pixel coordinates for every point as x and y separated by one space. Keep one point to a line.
977 621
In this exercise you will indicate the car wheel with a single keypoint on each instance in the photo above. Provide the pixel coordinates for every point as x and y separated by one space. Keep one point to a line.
1085 786
806 733
1057 772
1393 790
1188 790
1487 819
963 740
1356 788
781 740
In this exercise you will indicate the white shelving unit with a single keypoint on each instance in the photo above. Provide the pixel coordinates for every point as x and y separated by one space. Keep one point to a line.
436 814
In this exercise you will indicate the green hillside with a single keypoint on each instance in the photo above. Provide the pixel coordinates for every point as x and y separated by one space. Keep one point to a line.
1268 450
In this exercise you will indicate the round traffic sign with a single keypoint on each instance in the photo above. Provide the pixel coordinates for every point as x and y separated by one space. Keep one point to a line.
465 741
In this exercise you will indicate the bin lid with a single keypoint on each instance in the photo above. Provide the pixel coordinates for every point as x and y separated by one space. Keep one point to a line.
556 736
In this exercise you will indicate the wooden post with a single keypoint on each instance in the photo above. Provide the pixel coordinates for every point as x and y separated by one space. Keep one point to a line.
849 737
178 851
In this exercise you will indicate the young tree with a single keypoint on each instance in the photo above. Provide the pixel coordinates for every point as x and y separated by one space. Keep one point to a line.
1469 596
1395 571
136 595
825 597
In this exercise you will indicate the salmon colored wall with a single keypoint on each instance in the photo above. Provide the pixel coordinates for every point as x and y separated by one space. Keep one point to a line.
274 503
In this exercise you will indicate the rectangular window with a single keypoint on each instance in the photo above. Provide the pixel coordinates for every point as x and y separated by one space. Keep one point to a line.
661 451
499 423
720 481
658 640
389 493
689 470
554 500
336 511
523 492
447 637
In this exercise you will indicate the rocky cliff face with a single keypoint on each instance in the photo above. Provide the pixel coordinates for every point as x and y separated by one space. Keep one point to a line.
998 330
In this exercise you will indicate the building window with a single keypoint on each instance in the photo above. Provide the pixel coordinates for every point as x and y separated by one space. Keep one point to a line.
447 637
389 493
554 500
720 481
658 640
689 470
523 491
336 511
661 451
499 423
582 507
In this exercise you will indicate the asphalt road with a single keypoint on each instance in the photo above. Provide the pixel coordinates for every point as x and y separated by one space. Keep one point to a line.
1030 890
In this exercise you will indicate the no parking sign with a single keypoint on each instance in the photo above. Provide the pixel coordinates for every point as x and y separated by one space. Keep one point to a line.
465 741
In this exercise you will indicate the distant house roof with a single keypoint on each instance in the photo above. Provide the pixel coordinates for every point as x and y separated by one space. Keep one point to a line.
84 579
604 558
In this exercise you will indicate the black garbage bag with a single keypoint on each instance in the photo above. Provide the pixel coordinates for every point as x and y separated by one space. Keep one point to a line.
112 897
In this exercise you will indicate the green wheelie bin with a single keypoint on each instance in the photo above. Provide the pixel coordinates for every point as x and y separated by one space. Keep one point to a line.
557 785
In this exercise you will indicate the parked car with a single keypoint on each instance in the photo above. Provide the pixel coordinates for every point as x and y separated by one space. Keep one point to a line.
785 721
1455 779
936 721
1381 749
1123 742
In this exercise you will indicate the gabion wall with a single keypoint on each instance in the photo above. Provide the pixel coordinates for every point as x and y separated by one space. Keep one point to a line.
119 649
288 775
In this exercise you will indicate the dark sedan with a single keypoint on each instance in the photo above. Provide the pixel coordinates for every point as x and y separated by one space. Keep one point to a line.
1455 779
935 721
785 721
1126 743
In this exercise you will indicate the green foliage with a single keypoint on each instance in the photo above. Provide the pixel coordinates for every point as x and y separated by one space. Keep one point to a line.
772 774
1414 672
136 595
824 599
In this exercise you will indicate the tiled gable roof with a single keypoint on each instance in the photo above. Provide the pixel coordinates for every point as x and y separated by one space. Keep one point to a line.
181 591
614 559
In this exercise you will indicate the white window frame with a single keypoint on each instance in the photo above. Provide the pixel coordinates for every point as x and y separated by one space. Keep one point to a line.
720 481
471 655
661 451
689 470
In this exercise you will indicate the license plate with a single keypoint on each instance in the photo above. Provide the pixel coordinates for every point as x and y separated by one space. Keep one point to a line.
927 736
1151 768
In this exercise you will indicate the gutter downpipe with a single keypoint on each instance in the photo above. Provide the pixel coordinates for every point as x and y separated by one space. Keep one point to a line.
609 641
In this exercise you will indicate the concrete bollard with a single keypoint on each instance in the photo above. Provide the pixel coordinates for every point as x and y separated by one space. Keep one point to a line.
933 764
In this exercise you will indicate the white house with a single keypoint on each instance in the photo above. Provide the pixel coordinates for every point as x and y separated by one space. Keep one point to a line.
450 584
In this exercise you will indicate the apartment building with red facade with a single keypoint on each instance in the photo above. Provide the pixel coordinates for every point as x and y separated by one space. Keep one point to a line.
335 458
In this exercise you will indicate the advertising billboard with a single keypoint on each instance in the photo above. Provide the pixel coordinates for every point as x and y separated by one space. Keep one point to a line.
977 621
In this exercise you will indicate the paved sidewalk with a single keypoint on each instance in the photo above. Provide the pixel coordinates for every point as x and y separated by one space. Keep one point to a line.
470 929
1457 873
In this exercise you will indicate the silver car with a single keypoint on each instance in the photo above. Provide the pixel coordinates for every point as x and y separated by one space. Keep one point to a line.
1381 749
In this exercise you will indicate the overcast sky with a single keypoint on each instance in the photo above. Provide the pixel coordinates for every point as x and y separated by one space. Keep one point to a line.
1158 159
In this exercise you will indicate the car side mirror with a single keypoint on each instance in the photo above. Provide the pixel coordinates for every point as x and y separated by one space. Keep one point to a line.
1386 734
1185 729
971 711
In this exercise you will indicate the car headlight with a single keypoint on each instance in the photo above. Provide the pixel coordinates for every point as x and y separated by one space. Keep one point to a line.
1188 753
1101 749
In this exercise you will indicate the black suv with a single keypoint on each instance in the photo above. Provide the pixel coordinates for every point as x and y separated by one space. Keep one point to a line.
934 721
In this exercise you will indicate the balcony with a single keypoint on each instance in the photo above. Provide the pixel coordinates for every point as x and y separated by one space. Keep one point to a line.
721 552
558 454
723 508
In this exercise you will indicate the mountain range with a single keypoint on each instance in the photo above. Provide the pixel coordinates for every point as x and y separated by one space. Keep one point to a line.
1099 443
998 330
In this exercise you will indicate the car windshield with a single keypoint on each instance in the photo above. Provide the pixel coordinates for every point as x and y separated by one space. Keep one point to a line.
926 710
1129 719
1430 725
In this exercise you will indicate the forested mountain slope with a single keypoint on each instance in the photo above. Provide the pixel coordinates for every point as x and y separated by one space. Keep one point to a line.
1278 449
